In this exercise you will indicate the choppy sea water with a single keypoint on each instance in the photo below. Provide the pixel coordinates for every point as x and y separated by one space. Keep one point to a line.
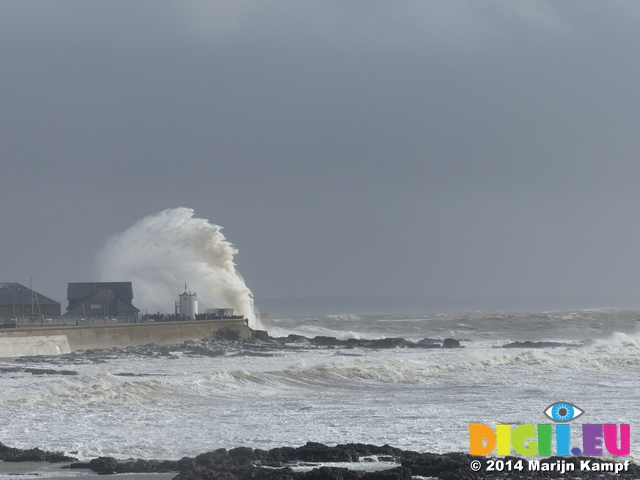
418 399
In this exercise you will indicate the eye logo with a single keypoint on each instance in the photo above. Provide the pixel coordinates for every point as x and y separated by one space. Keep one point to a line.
563 412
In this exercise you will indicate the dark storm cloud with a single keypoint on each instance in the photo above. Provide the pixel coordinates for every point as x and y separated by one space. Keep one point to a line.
436 149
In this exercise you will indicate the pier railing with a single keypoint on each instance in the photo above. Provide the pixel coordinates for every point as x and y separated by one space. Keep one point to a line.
68 321
13 322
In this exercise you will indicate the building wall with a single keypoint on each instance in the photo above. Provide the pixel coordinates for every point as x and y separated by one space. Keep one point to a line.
102 304
8 311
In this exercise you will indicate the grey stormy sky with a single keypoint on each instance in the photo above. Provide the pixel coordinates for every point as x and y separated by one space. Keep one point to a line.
441 149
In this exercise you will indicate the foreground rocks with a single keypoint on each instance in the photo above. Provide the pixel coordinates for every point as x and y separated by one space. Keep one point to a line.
243 463
9 454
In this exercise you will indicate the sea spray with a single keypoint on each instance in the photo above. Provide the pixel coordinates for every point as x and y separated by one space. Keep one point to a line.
161 252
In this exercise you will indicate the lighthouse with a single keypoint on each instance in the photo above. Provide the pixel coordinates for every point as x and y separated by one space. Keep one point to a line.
188 304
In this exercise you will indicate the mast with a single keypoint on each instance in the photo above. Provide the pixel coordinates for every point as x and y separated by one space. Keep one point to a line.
34 298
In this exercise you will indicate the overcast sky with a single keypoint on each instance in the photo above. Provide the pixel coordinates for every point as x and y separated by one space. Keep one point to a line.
443 149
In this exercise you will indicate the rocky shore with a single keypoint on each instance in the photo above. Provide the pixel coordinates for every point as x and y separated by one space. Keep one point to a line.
243 463
229 343
8 454
306 463
225 342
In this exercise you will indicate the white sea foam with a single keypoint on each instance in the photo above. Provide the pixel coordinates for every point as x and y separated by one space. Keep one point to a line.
162 252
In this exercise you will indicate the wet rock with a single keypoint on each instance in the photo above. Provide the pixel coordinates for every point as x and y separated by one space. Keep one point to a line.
110 465
103 465
321 340
38 371
278 456
245 463
387 343
203 351
434 465
398 473
216 457
260 334
318 452
228 334
331 473
364 449
296 338
9 454
242 455
49 371
450 343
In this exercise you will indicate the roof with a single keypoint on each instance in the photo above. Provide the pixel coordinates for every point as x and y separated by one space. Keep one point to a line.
16 294
78 291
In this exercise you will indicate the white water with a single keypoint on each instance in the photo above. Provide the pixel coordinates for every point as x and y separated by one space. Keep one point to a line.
409 398
162 252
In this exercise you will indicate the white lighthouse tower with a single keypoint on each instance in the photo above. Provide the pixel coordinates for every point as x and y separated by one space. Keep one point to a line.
189 304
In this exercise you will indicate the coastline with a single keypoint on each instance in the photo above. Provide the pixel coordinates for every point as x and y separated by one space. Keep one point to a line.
313 461
54 471
327 385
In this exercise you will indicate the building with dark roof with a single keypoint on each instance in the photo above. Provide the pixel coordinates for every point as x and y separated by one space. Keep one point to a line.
108 299
16 300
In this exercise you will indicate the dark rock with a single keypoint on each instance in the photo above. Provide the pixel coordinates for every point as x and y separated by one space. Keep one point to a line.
103 465
9 454
260 334
243 463
331 473
386 459
398 473
278 456
434 465
203 351
388 343
48 371
186 463
318 452
228 334
242 455
296 338
326 341
110 465
212 458
450 343
259 453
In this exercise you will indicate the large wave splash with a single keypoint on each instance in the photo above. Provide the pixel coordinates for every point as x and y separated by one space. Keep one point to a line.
162 252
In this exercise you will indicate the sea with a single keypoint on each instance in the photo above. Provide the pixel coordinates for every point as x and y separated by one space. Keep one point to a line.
168 407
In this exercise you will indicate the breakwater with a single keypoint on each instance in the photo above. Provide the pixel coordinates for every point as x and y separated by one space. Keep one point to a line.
57 340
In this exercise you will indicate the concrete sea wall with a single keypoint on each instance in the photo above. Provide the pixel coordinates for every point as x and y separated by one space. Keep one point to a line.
56 340
18 346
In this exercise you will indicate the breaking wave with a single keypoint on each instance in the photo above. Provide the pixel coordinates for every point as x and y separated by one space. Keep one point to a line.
162 252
